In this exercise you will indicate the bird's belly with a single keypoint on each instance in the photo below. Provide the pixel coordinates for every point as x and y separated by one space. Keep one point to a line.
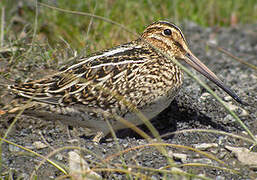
150 110
81 117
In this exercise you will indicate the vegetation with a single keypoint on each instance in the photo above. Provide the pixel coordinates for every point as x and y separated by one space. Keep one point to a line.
46 37
135 15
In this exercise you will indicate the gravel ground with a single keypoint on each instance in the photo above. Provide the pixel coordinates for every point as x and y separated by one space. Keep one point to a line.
193 108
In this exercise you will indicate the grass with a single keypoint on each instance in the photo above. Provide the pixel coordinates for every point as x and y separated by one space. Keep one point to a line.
135 16
68 33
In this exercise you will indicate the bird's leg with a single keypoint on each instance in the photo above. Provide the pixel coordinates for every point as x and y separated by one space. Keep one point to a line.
99 135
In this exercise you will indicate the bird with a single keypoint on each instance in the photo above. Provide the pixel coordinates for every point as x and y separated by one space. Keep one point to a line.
113 83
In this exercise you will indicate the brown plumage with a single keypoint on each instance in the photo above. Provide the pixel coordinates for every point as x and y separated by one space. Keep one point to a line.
111 82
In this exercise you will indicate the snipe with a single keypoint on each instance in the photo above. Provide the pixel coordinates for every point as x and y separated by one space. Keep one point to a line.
100 86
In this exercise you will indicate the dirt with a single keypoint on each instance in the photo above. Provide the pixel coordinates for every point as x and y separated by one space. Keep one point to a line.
193 108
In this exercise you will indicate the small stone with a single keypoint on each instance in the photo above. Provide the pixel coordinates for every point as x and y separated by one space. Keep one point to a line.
175 169
73 141
88 156
214 151
203 161
109 139
109 145
244 132
228 98
180 156
222 154
244 113
79 168
205 146
221 139
220 178
204 96
244 155
229 118
90 147
59 156
232 107
39 145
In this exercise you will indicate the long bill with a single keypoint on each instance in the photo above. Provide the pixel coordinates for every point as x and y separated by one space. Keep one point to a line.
200 67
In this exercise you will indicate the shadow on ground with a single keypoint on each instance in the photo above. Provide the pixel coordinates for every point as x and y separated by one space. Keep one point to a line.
167 120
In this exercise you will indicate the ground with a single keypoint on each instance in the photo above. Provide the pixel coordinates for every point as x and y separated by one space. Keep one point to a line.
192 109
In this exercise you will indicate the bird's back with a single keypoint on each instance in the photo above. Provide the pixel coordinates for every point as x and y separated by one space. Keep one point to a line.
130 72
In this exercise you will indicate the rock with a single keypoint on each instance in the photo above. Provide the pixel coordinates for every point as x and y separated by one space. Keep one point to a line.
232 107
244 155
205 146
178 156
203 160
229 119
220 178
222 153
228 98
204 96
79 168
59 156
73 141
39 145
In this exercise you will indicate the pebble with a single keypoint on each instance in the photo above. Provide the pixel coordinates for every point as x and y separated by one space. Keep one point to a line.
244 155
205 146
176 170
227 98
221 139
73 141
88 156
178 156
203 160
214 151
204 96
109 139
59 156
77 165
39 145
222 154
229 119
220 178
232 107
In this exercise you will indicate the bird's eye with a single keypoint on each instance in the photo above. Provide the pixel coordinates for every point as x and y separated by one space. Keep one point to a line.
167 32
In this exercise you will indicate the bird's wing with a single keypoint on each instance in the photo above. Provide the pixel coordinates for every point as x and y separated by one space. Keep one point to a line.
81 82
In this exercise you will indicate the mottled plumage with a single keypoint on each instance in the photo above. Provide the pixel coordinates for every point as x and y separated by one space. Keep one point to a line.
90 91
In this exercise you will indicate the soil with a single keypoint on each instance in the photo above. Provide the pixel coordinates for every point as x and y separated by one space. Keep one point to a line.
193 108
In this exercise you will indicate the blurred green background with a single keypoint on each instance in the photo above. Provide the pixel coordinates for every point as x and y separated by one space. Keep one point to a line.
84 32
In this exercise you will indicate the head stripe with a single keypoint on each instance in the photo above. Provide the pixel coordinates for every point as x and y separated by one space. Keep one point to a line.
171 25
